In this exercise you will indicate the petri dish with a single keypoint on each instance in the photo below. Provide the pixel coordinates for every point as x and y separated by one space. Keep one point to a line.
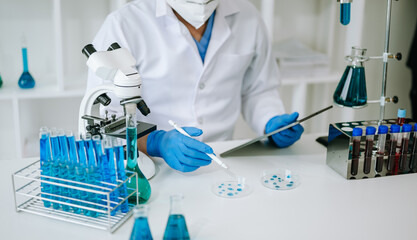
232 188
280 179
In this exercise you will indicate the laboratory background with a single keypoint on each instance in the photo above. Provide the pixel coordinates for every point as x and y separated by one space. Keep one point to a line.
45 38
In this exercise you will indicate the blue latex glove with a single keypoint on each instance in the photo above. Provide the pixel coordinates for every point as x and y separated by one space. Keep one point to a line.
180 152
287 137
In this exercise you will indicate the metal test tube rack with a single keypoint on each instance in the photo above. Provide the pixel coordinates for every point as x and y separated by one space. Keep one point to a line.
339 151
29 198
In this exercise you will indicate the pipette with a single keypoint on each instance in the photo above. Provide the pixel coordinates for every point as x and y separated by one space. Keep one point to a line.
212 156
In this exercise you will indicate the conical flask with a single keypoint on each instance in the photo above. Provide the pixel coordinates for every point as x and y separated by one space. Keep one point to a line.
141 230
144 188
351 90
176 228
1 82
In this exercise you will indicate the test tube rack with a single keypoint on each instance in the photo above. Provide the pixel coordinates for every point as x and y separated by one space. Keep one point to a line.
29 198
340 145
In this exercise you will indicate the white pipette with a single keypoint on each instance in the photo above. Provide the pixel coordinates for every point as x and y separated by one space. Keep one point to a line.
212 156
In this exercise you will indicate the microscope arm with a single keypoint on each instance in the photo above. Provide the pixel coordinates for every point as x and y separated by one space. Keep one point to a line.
87 104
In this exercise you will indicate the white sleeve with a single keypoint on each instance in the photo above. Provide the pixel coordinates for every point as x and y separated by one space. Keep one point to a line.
110 32
260 97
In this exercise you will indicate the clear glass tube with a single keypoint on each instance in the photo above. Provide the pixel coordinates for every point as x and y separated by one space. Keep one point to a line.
381 152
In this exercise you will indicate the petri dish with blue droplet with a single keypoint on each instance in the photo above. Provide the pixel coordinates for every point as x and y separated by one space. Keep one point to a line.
232 188
283 179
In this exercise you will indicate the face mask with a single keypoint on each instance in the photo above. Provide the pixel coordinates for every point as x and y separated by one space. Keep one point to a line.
195 12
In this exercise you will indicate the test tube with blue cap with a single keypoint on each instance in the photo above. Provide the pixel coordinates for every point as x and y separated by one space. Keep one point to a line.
356 143
405 135
382 135
393 156
370 132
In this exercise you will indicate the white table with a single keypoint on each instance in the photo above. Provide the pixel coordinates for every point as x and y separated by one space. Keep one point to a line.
324 206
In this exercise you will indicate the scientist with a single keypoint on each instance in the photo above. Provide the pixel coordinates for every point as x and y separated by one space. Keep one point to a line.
202 63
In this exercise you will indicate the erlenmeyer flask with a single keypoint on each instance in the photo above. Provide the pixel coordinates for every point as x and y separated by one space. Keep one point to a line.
176 228
26 80
141 230
351 90
1 82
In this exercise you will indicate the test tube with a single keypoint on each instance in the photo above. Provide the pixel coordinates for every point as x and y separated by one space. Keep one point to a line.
98 149
72 152
81 153
45 161
382 135
90 150
393 156
63 164
356 136
121 175
405 135
401 116
369 145
111 170
413 161
55 171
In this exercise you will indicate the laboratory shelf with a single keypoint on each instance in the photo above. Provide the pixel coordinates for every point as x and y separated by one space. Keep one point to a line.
39 92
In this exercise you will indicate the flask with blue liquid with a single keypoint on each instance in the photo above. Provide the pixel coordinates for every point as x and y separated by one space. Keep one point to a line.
26 80
176 228
141 230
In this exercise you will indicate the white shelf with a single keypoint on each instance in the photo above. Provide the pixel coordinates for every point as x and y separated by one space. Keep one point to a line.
51 91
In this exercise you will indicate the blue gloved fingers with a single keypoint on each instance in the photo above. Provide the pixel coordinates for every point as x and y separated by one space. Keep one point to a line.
280 121
190 152
172 159
197 145
183 162
192 131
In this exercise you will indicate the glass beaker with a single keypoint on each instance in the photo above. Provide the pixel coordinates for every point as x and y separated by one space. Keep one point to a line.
26 80
141 230
351 90
176 228
144 188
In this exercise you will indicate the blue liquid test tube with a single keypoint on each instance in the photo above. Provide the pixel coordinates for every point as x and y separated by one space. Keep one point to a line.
356 143
45 161
345 13
63 167
121 175
111 171
72 152
56 158
382 135
369 145
91 158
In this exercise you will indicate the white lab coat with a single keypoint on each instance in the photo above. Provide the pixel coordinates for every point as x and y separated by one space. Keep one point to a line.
239 73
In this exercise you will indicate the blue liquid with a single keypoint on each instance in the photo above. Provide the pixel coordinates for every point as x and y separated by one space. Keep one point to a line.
82 195
90 152
345 13
45 158
1 82
114 196
141 230
63 146
82 158
26 80
55 172
176 228
121 176
144 188
351 90
98 150
94 178
72 150
56 152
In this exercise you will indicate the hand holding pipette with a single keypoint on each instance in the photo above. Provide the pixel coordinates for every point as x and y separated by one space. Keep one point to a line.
212 156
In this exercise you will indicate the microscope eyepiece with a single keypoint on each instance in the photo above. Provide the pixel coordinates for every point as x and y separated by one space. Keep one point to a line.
143 108
113 46
103 99
88 50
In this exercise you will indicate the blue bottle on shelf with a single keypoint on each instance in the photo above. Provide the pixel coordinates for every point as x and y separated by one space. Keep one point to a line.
26 80
141 230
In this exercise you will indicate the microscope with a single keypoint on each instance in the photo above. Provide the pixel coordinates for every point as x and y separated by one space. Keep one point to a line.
115 65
